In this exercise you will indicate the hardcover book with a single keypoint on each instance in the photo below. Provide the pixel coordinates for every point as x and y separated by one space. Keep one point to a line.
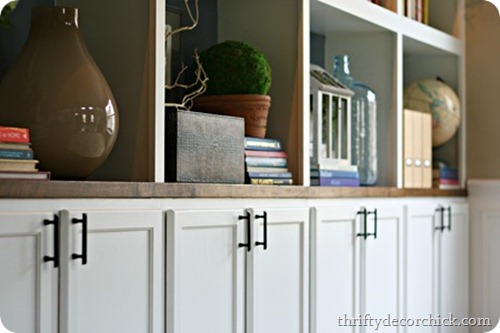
18 165
271 181
15 145
321 173
262 144
266 153
14 134
25 175
266 169
341 182
270 175
266 161
25 154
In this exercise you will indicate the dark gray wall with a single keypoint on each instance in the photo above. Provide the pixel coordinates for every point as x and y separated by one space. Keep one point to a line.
13 36
318 50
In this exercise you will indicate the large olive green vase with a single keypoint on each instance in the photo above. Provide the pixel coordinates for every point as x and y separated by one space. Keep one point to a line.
56 90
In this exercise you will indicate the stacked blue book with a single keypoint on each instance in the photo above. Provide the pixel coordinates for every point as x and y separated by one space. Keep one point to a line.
266 162
445 177
341 175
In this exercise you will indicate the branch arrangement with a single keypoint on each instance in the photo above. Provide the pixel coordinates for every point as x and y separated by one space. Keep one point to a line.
201 76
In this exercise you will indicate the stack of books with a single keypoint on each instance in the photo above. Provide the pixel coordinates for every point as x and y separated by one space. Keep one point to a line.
445 177
16 156
266 163
335 175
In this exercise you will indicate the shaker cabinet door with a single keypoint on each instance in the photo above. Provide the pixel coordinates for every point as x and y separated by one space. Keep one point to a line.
28 281
206 271
278 271
112 271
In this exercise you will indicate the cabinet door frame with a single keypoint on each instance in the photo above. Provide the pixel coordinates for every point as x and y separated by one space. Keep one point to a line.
320 216
31 224
296 217
177 222
71 242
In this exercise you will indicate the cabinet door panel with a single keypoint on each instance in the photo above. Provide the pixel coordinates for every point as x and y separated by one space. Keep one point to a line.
28 285
205 271
334 269
381 267
421 251
277 296
120 287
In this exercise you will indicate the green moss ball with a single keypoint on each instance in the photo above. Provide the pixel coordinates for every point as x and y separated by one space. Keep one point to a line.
235 68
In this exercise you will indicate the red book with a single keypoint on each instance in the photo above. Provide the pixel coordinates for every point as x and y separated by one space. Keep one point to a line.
443 181
14 134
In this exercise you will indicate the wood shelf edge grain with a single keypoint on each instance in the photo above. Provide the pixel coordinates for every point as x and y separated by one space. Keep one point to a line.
130 190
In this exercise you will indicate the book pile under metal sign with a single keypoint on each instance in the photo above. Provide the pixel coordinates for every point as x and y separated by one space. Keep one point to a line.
266 162
16 156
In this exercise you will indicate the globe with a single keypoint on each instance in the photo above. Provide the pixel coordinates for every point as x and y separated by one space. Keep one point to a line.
435 97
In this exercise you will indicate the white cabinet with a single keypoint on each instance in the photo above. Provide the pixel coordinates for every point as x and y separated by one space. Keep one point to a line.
436 268
237 270
356 265
111 271
28 284
116 286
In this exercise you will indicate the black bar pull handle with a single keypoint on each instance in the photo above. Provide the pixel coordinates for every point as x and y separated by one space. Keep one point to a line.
55 223
364 213
449 218
83 255
248 244
264 242
440 209
374 234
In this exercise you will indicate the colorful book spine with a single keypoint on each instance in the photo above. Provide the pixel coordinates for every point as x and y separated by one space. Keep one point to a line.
266 153
25 175
266 161
16 154
14 134
270 175
334 174
341 182
262 144
266 169
448 173
271 181
443 181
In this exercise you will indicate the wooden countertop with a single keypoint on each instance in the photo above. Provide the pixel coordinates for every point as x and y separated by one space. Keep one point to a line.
98 189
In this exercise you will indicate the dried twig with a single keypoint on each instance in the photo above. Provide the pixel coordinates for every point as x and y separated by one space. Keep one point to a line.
201 76
201 82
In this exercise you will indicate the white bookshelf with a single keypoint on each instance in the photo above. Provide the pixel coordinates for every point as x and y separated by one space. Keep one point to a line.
387 52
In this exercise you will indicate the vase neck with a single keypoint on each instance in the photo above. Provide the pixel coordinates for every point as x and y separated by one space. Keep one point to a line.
46 18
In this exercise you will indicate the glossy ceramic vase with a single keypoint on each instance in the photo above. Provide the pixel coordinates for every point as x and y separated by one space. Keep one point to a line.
56 90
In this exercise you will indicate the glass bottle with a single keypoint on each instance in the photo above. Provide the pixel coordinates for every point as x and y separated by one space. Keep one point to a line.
363 122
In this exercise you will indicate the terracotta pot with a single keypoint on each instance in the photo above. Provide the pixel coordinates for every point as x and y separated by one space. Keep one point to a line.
56 90
253 108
